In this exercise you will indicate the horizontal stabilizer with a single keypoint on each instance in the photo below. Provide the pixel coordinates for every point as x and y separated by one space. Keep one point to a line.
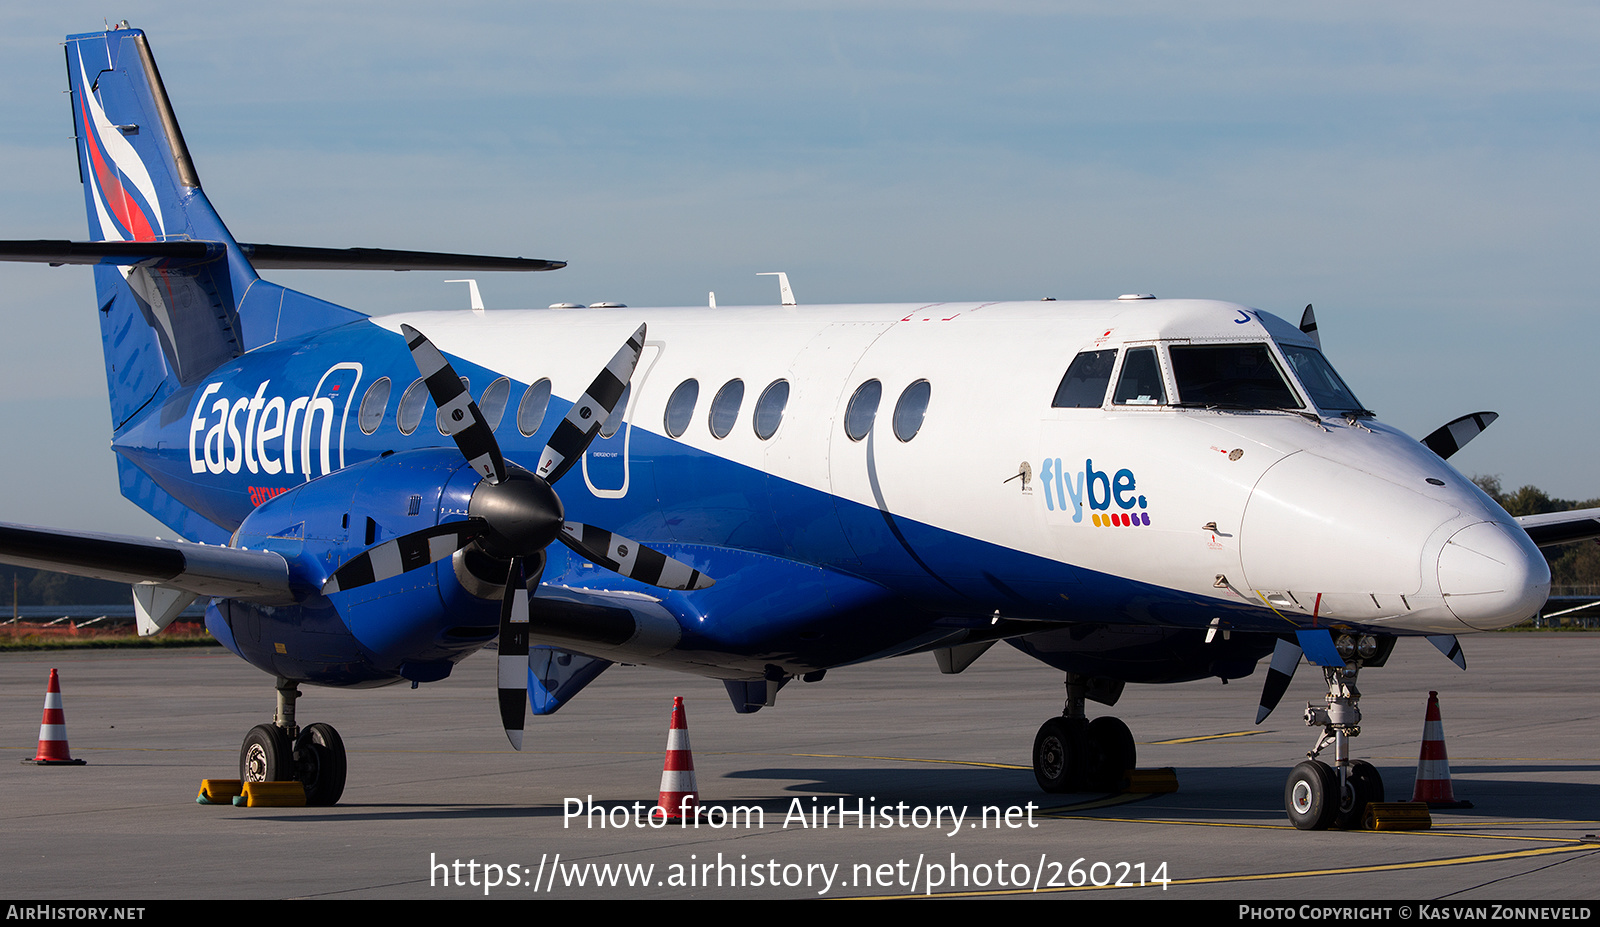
262 257
260 576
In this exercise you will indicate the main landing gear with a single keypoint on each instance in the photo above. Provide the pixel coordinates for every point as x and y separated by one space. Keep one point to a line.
281 751
1317 795
1072 753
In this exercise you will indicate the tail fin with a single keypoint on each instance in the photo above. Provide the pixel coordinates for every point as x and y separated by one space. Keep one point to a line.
171 315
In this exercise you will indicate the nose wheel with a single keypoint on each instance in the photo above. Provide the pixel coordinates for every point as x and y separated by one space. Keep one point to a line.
280 751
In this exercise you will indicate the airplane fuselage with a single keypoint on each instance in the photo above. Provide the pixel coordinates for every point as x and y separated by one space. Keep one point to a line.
967 503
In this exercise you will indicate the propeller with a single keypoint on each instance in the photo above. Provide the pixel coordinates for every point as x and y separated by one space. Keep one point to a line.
514 514
1453 435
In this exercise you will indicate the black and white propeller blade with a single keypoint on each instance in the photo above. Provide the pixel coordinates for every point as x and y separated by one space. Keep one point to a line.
1285 659
584 419
1308 324
631 559
1454 435
402 554
458 414
513 661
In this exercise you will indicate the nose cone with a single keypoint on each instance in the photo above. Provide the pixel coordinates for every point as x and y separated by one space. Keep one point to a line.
1492 577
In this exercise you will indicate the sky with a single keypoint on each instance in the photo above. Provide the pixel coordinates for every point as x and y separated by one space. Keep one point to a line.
1426 174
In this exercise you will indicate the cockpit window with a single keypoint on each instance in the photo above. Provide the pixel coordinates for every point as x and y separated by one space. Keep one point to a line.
1140 384
1230 376
1084 386
1314 372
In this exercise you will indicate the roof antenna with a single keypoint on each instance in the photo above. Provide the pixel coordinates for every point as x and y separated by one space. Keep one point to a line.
783 286
472 294
713 299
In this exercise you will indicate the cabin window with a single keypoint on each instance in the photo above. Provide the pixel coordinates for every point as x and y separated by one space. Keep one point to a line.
412 402
530 412
1140 383
769 409
1230 376
614 420
725 408
373 405
680 407
863 408
910 408
1084 386
493 402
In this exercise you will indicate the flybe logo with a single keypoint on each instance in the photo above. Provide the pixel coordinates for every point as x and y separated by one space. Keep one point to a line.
273 434
1099 490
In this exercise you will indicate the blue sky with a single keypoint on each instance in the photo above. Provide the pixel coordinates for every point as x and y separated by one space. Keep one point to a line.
1426 175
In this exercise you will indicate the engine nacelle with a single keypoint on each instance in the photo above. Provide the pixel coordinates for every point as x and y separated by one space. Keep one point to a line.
414 626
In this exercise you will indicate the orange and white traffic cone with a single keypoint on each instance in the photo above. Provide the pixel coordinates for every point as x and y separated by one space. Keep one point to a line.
678 790
1433 766
53 730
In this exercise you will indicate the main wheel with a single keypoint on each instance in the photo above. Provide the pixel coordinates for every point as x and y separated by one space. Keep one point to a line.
1059 751
320 764
1311 795
1112 754
267 755
1363 787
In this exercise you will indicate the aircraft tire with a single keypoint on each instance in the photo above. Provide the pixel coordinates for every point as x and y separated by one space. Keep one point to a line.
1114 753
1311 795
1365 786
319 762
266 755
1059 753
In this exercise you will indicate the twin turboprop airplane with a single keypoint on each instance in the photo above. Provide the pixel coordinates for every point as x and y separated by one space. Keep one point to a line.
1133 490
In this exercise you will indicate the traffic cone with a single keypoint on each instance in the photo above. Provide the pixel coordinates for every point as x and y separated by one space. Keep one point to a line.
53 730
1433 766
678 790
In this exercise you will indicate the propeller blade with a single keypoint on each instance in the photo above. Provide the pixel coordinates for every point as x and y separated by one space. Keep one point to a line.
458 414
1285 659
1308 324
631 559
1451 648
402 554
584 419
1454 435
513 662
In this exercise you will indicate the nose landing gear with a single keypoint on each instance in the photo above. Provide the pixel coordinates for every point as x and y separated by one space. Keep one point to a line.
281 751
1317 795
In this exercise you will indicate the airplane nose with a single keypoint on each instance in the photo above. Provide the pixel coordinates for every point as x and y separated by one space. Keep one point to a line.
1492 578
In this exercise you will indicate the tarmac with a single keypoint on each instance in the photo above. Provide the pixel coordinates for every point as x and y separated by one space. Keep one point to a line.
438 806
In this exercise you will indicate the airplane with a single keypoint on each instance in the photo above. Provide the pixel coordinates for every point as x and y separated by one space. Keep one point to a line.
1130 490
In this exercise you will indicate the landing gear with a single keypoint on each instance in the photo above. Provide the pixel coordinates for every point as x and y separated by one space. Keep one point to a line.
281 751
1317 795
319 763
1072 753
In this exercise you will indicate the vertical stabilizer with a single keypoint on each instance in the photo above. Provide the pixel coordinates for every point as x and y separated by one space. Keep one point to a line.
165 321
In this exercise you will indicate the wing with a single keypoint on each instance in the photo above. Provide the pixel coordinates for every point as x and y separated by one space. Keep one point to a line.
262 576
1562 527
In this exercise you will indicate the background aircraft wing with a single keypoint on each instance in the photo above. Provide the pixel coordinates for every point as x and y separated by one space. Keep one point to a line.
198 568
1561 527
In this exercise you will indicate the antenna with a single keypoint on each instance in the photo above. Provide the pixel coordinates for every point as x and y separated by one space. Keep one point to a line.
783 286
472 287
